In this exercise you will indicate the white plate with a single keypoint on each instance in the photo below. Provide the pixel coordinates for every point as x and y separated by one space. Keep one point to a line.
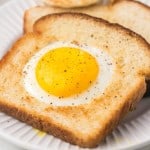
132 133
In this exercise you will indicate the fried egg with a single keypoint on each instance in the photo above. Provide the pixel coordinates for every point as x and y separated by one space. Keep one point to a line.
66 74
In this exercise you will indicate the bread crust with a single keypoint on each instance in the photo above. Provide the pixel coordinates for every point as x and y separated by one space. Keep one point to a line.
83 125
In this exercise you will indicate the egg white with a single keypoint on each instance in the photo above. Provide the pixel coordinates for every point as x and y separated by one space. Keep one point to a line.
104 77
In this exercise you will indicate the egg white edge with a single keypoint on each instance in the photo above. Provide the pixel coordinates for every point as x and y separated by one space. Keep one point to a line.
96 89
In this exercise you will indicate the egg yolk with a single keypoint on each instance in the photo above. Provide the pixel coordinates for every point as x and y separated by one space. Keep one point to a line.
66 71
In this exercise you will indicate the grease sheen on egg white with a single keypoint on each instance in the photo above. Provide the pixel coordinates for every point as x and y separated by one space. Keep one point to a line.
106 67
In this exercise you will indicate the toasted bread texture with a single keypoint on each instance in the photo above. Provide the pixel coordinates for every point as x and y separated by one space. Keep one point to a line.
70 3
116 13
87 124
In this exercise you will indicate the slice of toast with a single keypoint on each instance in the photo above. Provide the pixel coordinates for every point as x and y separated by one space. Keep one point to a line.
124 12
70 3
86 124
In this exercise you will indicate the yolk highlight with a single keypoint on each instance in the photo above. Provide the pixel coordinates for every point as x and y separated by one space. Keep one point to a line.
66 71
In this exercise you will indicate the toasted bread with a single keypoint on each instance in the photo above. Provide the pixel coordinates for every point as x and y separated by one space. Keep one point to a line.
87 124
33 14
70 3
116 13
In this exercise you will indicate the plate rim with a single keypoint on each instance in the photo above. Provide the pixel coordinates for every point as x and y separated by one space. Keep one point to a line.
24 144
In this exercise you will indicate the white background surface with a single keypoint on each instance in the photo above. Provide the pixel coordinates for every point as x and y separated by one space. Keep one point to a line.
4 145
